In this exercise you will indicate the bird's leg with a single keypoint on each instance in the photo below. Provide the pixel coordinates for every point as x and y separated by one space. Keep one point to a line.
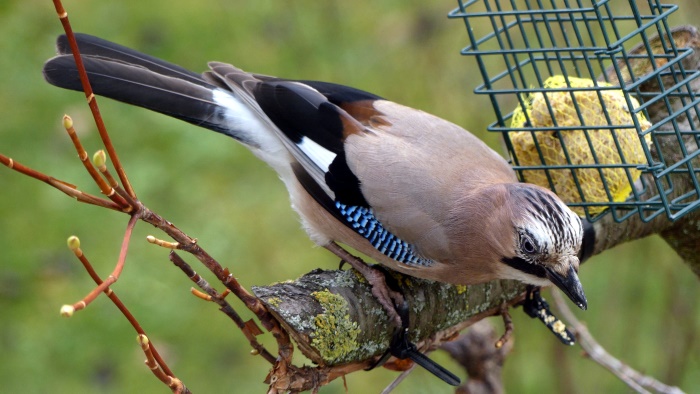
387 298
535 306
402 348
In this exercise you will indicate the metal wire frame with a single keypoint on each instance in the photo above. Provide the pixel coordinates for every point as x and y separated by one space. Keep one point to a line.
518 44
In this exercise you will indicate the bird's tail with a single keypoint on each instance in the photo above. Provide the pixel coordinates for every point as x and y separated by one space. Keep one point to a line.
132 77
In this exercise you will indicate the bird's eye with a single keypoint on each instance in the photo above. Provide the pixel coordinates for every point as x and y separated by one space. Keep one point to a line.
527 246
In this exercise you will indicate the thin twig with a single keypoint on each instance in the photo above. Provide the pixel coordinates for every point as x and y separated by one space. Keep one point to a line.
82 154
255 305
68 310
250 329
67 188
74 245
90 96
175 384
403 375
632 378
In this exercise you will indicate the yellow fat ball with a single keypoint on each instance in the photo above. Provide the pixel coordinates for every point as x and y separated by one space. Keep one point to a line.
577 146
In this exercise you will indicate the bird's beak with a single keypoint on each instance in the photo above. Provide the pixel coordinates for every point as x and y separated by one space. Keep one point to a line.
570 285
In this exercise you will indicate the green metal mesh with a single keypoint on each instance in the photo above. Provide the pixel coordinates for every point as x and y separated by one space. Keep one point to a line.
627 47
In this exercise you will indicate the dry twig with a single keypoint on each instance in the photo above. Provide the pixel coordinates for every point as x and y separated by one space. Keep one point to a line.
632 378
476 352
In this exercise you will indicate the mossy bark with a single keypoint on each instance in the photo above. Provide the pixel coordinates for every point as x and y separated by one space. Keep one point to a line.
334 318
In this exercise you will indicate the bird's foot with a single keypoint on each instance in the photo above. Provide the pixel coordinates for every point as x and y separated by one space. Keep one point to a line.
377 278
387 292
402 348
535 306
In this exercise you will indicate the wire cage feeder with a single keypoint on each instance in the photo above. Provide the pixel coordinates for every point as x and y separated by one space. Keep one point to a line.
586 93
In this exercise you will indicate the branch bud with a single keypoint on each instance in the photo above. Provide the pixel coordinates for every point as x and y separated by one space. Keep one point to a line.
199 294
99 158
67 122
67 310
143 340
160 242
73 243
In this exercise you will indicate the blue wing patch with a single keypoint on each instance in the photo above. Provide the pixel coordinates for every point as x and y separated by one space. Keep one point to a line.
362 220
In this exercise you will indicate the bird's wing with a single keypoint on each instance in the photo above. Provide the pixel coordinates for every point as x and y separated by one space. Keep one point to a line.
310 126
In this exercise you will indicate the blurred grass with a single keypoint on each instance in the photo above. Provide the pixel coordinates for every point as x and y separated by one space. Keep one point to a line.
641 297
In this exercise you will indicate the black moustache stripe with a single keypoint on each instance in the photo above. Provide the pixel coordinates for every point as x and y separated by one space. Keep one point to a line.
523 265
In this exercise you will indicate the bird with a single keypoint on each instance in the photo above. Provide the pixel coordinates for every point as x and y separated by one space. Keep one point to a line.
416 193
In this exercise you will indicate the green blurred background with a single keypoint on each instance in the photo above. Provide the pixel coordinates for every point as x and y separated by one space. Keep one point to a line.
642 298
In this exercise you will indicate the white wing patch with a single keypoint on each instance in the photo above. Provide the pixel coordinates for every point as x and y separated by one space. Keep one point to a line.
321 156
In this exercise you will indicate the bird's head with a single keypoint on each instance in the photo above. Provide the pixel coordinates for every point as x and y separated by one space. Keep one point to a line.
547 238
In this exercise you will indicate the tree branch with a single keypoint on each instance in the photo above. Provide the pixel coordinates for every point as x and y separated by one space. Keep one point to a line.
335 320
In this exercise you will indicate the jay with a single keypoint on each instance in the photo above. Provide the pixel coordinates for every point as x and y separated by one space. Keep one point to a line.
414 192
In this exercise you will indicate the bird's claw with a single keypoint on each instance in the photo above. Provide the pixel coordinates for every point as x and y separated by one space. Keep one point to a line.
535 306
402 348
386 291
